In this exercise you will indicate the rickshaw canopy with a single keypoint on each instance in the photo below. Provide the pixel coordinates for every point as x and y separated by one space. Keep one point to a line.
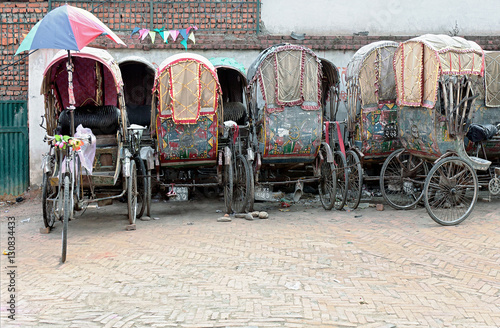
371 68
419 63
228 62
288 75
97 79
186 86
492 78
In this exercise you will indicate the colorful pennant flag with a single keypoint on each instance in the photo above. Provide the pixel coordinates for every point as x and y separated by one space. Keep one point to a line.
192 38
143 32
135 30
183 33
174 34
185 44
152 35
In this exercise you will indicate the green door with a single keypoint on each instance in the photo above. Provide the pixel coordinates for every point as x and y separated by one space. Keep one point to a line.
14 154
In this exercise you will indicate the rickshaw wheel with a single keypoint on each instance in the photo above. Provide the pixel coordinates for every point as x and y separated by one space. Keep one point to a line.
328 183
48 191
228 187
355 179
132 193
342 179
400 177
450 191
142 186
148 193
66 214
241 187
251 195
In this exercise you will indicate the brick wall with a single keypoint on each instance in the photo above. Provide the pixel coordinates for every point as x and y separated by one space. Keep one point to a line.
220 28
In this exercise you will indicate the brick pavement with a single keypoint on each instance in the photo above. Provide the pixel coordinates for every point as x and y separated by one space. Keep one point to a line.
303 268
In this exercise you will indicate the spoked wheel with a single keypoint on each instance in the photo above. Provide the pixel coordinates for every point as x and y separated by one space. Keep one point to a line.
48 192
148 193
132 193
251 195
241 187
402 179
142 185
342 179
228 187
355 179
450 191
66 213
328 183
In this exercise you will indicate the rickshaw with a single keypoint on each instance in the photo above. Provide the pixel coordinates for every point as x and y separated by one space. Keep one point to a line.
443 105
195 147
371 131
233 82
287 130
138 77
96 163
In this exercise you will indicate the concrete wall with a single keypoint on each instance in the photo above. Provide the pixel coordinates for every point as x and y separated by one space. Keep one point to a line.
380 17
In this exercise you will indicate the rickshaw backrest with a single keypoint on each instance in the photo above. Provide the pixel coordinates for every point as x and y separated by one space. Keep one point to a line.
101 120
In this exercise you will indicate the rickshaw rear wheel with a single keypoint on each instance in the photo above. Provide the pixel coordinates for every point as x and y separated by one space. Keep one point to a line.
48 191
450 191
228 187
132 193
355 179
66 214
342 179
400 177
328 183
241 187
142 186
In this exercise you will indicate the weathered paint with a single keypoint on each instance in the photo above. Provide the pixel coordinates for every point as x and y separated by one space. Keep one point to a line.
14 175
188 142
293 133
376 132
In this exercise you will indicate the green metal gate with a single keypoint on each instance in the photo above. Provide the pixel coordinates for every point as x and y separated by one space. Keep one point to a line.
14 154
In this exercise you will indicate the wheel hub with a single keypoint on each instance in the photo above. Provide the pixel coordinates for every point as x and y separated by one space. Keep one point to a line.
494 186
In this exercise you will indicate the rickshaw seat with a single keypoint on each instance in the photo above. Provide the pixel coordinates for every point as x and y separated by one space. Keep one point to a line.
235 111
481 132
102 120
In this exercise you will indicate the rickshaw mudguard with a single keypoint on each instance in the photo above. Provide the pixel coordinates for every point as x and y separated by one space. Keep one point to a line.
290 135
377 134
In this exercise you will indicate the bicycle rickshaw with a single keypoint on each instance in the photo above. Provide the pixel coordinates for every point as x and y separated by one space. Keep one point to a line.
441 99
194 147
104 168
286 115
371 113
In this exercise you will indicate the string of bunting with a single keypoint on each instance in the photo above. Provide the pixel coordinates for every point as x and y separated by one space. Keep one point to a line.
186 33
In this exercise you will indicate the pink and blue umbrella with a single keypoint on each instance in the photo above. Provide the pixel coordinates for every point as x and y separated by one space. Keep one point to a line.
68 28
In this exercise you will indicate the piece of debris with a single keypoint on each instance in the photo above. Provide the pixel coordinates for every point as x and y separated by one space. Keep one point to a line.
45 230
190 223
131 227
380 207
363 205
358 216
284 210
26 220
19 199
218 211
145 218
263 215
224 219
293 285
156 218
255 214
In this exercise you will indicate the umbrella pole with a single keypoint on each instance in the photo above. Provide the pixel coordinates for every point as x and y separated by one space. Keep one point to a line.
71 94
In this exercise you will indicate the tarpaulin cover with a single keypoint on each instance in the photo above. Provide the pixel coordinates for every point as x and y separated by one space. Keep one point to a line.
97 79
492 78
186 85
419 63
288 75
